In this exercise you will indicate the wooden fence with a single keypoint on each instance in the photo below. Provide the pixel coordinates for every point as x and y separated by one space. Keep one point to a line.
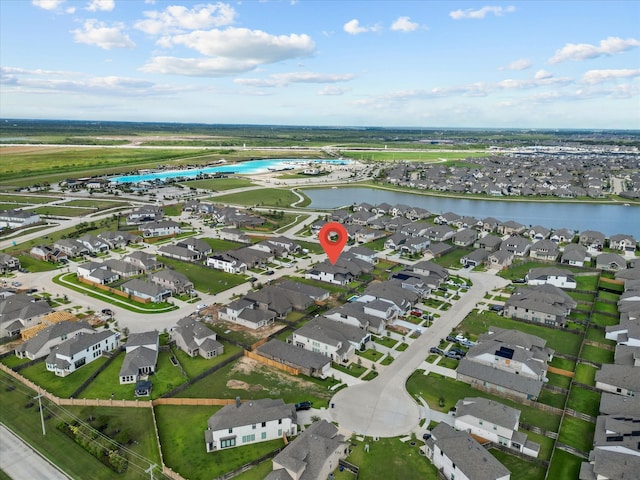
272 363
115 291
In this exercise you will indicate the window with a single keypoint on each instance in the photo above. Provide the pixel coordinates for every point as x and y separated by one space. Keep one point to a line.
231 430
253 426
279 432
279 421
264 424
480 422
229 442
248 438
263 436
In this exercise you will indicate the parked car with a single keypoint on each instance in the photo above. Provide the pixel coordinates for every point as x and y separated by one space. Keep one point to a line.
452 355
416 313
519 280
107 311
270 272
435 350
467 343
451 338
426 436
306 405
201 306
496 308
458 351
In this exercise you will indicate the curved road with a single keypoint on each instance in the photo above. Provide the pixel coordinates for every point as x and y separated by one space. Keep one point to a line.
382 407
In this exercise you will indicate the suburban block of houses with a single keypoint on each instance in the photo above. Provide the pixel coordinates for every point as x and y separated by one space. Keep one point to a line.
79 350
558 277
330 338
244 423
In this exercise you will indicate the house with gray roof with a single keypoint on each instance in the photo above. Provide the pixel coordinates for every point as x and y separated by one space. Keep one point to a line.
194 338
475 258
8 263
21 311
177 282
517 245
309 363
495 422
226 263
313 455
79 350
485 377
245 312
510 227
624 243
143 260
251 257
605 464
611 262
118 239
559 277
545 250
17 218
122 268
574 254
490 243
94 244
234 235
253 421
141 356
627 332
365 254
163 228
465 237
317 294
41 343
592 239
546 304
146 213
458 455
146 290
359 315
500 259
330 338
196 244
179 253
71 246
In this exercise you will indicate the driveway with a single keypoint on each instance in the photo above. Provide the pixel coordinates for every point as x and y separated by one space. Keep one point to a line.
382 407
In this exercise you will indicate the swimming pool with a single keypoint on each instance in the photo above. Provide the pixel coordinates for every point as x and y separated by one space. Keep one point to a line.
242 168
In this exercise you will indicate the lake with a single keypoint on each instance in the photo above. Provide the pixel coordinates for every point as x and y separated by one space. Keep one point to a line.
608 219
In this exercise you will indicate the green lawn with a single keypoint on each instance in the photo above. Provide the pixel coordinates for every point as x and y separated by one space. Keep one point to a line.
577 433
431 387
272 197
560 341
181 430
612 297
585 374
582 297
558 380
59 448
352 369
218 184
597 335
196 365
389 458
520 469
587 282
251 380
585 401
605 308
63 211
546 443
313 247
386 341
205 279
563 363
519 270
552 399
32 199
370 354
97 204
60 386
452 259
35 265
258 472
604 320
564 466
219 245
166 378
598 355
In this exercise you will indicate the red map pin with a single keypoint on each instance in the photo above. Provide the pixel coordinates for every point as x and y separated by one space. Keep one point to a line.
333 246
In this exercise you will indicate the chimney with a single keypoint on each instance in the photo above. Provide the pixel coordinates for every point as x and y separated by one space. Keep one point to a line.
237 402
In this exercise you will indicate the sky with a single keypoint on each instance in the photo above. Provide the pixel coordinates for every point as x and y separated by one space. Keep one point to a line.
456 64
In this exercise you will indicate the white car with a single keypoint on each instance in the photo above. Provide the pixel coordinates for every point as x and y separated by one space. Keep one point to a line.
201 306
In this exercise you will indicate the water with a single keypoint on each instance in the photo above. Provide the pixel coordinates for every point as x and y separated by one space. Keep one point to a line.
251 167
608 219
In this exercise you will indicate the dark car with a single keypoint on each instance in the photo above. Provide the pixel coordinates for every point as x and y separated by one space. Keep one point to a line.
451 338
496 308
107 311
253 279
451 354
435 350
306 405
458 351
519 280
426 436
270 272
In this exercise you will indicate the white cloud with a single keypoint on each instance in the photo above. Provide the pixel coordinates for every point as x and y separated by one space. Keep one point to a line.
332 90
404 24
521 64
283 79
584 51
99 34
542 75
47 4
353 27
244 44
600 76
101 5
481 13
176 18
198 67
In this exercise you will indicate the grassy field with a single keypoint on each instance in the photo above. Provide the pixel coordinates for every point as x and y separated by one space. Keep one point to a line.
222 245
57 211
205 279
197 365
585 374
60 386
181 430
421 156
63 451
271 197
27 199
431 387
218 184
577 433
96 204
564 465
585 401
598 355
520 469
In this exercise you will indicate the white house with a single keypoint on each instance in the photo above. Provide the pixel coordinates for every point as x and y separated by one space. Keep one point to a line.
18 218
330 338
141 356
75 352
41 343
160 229
495 422
250 422
559 277
226 264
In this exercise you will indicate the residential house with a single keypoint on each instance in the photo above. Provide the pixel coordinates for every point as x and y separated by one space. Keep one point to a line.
627 332
546 250
414 245
194 338
546 304
510 227
72 247
314 454
614 456
517 245
353 313
234 235
226 263
163 228
123 268
143 260
574 254
465 237
624 243
317 294
17 218
440 233
554 276
562 235
146 213
179 253
118 239
48 254
309 363
254 421
141 357
75 352
365 254
592 239
457 455
500 259
493 421
475 258
345 270
623 376
8 263
538 233
330 338
146 290
252 258
94 244
197 245
490 243
177 282
21 311
611 262
41 343
244 312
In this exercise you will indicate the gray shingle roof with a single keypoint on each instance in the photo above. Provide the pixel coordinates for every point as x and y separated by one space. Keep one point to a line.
292 355
489 410
517 383
248 413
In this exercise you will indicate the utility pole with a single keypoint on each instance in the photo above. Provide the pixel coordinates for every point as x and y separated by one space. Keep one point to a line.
150 470
39 397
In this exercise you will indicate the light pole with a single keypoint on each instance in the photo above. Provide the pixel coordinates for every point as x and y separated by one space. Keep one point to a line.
39 397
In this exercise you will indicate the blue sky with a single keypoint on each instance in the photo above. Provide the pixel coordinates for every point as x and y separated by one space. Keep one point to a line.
518 64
